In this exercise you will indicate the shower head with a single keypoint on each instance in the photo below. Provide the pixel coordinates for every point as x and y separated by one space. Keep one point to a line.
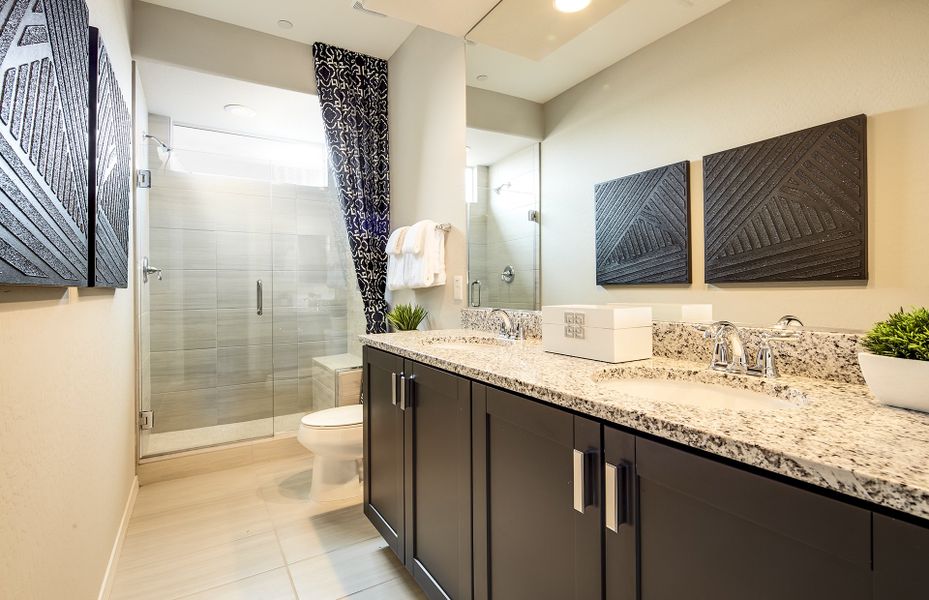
161 144
503 186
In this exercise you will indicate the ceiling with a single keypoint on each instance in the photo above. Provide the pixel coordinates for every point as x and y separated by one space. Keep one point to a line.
281 113
330 21
632 26
522 48
488 147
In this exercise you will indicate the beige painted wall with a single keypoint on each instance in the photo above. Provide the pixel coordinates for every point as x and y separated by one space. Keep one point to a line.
749 71
493 111
66 415
427 149
181 38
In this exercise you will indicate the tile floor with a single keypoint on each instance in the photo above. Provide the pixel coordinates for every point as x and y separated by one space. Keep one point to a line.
250 533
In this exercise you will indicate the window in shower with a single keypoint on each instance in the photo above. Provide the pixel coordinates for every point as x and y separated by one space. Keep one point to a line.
257 292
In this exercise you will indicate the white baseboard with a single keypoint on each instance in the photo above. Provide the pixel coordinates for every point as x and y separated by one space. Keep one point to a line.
110 575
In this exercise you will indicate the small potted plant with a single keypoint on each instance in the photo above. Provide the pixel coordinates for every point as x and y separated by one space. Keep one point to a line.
896 366
406 317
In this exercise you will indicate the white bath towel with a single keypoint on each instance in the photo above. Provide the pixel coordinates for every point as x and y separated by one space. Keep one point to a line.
415 238
395 241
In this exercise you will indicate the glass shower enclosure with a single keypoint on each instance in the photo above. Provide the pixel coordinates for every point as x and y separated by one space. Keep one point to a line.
249 293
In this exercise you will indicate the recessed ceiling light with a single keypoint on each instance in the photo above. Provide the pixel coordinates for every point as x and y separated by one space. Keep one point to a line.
240 110
285 24
481 77
570 6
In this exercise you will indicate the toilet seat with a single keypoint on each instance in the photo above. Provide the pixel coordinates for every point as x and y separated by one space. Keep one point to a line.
335 418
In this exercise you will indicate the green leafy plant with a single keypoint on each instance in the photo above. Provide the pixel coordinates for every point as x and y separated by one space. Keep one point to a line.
406 317
902 335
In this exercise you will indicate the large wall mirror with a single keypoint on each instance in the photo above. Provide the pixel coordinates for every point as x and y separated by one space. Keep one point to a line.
502 193
626 97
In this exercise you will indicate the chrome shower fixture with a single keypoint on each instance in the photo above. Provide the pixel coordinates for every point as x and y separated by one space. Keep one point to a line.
161 144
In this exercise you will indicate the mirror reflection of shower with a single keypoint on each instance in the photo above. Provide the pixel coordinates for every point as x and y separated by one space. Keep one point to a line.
502 191
162 148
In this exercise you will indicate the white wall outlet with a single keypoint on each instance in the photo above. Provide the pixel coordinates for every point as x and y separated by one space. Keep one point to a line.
459 287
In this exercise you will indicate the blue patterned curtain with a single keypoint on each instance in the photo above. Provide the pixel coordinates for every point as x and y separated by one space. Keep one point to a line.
352 91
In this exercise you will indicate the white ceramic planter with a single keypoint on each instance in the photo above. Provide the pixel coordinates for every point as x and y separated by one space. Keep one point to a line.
897 381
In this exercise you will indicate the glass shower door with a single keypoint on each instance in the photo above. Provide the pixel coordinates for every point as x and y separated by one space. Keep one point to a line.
207 320
254 305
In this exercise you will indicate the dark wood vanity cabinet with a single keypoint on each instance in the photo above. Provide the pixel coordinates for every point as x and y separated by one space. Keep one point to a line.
708 530
418 469
384 447
901 560
537 509
486 494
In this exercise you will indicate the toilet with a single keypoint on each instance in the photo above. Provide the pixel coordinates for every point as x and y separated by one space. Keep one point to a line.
334 436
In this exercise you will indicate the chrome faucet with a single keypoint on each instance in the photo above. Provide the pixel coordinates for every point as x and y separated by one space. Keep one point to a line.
729 350
507 329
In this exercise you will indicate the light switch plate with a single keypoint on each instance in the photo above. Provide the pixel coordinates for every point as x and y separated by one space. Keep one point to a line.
458 287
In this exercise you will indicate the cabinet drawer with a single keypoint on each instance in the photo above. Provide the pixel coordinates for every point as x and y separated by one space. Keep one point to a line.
829 525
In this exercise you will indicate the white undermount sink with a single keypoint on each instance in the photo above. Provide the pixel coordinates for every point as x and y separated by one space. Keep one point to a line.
467 343
689 390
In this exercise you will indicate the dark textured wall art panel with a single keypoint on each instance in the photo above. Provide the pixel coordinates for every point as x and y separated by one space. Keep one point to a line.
110 174
791 208
43 142
643 227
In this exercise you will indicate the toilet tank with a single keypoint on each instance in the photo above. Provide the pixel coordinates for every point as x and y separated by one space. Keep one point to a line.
336 381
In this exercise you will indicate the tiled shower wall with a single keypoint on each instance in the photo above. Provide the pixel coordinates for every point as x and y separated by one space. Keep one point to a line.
214 360
500 232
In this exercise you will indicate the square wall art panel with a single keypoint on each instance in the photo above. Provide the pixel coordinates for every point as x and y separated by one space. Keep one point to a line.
643 227
43 142
110 173
791 208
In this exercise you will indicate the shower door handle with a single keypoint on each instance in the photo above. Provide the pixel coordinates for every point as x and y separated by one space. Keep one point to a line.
475 303
260 299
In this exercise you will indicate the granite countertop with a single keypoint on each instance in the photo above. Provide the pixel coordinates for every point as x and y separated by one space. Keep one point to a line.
837 436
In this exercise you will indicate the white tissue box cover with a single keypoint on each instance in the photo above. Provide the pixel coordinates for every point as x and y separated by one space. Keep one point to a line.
609 333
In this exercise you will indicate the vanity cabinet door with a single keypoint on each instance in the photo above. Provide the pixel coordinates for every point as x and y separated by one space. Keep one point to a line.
437 417
537 510
619 515
384 446
901 553
711 531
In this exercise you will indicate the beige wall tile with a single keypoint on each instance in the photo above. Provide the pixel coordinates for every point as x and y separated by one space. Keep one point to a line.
182 329
244 327
177 370
183 290
243 364
182 248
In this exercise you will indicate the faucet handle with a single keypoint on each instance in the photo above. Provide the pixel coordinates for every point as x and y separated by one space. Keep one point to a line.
764 360
786 321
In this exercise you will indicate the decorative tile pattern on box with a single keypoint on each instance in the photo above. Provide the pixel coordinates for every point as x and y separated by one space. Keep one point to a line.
791 208
110 174
643 227
43 142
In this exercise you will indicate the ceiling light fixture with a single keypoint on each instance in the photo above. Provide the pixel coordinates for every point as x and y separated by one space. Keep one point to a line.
571 6
240 110
285 24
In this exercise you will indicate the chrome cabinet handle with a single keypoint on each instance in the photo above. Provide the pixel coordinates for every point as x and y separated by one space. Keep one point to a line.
611 497
579 483
260 301
402 391
615 495
393 389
